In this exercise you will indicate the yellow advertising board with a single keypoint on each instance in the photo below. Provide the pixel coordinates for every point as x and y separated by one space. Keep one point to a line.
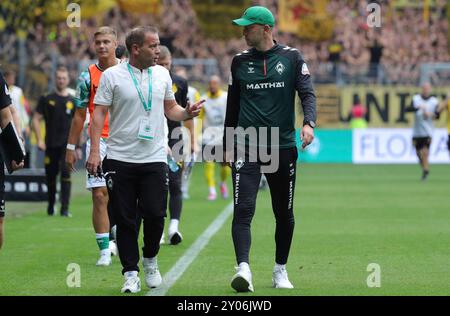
215 16
22 15
386 104
308 19
141 6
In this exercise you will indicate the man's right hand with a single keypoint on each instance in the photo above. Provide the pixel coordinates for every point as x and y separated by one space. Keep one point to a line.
71 159
41 145
93 163
16 166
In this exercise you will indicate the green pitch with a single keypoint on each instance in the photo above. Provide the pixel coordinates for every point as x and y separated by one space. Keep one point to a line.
347 217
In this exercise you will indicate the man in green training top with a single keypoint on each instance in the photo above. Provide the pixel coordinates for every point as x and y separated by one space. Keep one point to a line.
261 95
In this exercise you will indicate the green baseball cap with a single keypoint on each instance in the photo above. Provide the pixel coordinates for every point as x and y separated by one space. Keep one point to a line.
256 15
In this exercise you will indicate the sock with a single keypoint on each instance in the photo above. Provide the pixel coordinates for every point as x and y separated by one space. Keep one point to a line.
279 266
212 190
173 226
225 172
209 173
130 274
244 265
102 241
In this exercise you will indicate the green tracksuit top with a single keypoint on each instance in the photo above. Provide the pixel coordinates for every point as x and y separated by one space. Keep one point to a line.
262 91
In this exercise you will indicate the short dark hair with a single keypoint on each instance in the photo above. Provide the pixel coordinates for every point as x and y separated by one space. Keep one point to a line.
120 51
164 52
62 68
137 36
9 71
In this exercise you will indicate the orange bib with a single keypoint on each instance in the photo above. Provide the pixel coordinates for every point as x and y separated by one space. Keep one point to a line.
95 73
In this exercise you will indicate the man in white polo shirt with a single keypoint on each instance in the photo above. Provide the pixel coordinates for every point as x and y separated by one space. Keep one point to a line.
137 94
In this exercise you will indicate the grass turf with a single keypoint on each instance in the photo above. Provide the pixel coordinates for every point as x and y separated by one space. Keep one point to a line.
347 217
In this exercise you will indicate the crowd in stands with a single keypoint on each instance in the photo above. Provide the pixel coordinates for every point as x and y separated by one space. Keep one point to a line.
400 45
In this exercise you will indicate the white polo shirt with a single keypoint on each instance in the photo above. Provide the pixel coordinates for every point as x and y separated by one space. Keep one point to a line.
117 91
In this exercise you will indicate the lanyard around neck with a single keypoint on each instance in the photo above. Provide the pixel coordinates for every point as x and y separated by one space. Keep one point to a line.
147 105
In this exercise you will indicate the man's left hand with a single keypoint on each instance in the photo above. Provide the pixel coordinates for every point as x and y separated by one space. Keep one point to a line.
194 109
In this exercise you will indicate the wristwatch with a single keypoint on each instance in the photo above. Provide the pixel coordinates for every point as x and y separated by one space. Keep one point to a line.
310 123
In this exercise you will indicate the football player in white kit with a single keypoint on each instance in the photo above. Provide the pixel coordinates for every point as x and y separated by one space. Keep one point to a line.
425 107
213 118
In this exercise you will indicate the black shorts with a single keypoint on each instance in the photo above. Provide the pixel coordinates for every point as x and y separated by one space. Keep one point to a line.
421 142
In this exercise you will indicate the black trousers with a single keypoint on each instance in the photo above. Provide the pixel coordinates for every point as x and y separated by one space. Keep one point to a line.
282 187
175 198
137 190
54 164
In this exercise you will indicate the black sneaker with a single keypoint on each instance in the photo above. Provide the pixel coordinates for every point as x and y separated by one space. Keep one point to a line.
50 211
175 238
66 214
425 175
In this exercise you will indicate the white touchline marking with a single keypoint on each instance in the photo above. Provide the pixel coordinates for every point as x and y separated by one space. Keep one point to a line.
191 254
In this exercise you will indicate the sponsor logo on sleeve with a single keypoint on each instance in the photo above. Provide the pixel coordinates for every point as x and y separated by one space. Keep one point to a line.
305 70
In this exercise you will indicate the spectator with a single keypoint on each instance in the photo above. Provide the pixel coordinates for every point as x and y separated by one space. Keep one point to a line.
358 115
406 40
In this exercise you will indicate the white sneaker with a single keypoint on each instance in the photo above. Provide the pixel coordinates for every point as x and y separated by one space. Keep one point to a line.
280 278
113 232
175 238
152 276
132 284
242 280
105 259
113 248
